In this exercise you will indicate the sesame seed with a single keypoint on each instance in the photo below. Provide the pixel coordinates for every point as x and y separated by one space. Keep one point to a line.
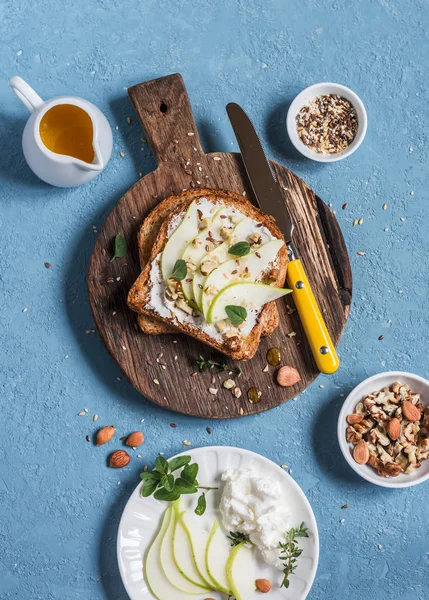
217 158
384 206
186 443
121 154
156 382
361 253
128 120
191 133
94 418
81 414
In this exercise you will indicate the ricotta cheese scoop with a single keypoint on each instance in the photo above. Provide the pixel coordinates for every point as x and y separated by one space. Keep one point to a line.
255 506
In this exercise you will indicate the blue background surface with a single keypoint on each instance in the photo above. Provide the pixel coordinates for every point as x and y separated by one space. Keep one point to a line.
59 502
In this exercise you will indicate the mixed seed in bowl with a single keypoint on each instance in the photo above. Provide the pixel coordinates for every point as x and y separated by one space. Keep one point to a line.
390 431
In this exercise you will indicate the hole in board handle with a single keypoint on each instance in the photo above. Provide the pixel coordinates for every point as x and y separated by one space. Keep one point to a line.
163 107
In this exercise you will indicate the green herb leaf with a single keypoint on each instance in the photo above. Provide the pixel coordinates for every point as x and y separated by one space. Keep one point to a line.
240 249
201 505
167 481
177 463
161 465
149 486
291 551
190 473
163 494
184 487
237 538
120 247
204 364
236 314
150 476
180 270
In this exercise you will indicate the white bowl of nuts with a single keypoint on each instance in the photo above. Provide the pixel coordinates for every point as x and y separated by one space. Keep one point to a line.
383 429
327 122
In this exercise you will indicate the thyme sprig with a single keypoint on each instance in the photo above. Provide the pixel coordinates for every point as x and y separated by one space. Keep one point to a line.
291 552
206 364
237 537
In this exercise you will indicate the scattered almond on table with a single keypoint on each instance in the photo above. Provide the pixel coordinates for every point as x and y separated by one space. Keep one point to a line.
104 435
119 459
135 439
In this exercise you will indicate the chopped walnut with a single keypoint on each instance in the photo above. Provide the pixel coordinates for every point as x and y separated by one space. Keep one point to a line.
255 239
183 305
207 267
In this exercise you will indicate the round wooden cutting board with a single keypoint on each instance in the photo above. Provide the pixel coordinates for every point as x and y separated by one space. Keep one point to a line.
163 367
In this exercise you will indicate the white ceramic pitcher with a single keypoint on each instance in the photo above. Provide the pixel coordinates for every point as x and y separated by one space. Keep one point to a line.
61 170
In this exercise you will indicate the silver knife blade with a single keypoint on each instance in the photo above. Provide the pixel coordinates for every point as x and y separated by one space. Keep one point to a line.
262 179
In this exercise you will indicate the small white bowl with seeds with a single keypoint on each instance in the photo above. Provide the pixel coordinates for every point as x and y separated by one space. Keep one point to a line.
383 429
327 122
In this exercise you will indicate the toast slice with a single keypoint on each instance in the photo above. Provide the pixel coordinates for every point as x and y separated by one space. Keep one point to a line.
146 239
242 346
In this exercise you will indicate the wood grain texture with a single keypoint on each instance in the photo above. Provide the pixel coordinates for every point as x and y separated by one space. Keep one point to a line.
164 111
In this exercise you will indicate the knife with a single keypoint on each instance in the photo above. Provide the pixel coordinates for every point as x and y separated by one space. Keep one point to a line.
270 200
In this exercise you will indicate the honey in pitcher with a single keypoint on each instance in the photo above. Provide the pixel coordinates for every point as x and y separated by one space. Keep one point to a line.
67 129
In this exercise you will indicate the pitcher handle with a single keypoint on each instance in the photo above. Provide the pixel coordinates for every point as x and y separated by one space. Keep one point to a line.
25 93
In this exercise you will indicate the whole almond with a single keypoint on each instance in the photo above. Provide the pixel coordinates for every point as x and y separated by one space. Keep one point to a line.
104 435
361 453
354 418
287 376
119 459
135 439
393 428
263 585
410 411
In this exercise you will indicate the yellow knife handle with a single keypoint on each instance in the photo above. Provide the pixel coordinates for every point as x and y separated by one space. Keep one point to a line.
314 325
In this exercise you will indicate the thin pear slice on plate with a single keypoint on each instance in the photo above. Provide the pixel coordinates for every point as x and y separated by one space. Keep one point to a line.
169 567
219 255
248 295
240 572
218 550
155 576
198 538
183 553
179 239
245 268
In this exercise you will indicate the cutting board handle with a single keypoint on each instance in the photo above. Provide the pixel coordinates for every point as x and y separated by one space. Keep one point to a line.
164 111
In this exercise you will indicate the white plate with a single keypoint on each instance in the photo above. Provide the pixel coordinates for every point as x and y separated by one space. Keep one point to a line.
142 517
372 384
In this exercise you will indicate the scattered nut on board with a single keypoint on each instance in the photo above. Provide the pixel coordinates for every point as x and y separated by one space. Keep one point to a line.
287 376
